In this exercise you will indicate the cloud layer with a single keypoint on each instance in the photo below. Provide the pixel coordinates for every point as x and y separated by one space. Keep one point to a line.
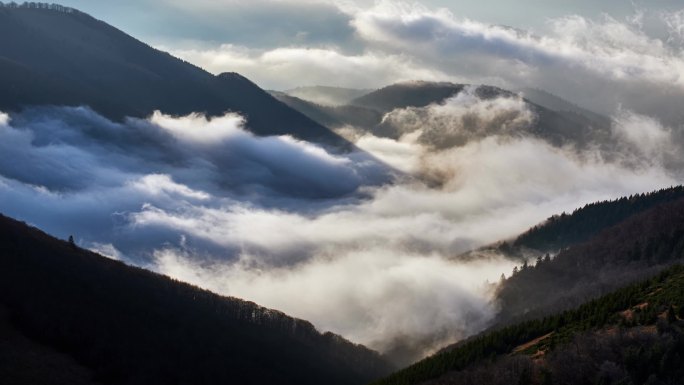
338 239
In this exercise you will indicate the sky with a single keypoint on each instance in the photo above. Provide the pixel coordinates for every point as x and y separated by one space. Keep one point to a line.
599 55
359 247
278 22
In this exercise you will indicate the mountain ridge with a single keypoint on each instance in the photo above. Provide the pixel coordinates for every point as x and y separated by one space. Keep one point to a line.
159 330
71 58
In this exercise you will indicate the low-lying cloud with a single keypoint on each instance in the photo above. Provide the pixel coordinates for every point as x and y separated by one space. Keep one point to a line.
343 240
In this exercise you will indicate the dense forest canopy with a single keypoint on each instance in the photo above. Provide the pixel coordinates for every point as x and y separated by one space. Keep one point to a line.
126 325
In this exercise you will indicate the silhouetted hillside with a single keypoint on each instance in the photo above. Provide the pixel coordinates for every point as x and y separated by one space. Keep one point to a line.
333 116
48 56
327 96
561 231
408 94
67 313
558 127
555 103
634 248
546 342
634 335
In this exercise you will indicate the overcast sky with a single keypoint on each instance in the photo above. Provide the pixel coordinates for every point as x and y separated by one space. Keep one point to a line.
258 25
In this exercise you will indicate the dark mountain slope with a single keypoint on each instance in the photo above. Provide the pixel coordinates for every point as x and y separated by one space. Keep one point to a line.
558 127
333 116
327 96
561 231
637 246
555 103
640 246
634 335
55 57
23 361
409 94
125 325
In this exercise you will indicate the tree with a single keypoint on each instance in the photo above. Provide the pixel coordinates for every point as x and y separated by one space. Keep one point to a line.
671 317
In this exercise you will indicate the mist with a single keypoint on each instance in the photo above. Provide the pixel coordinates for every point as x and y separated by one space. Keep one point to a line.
366 244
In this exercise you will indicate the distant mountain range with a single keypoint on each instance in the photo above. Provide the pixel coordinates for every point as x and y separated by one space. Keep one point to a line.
327 96
60 56
557 121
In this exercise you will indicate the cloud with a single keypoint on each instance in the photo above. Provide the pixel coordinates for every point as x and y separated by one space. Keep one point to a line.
309 66
575 57
461 118
598 62
647 137
321 236
447 301
64 164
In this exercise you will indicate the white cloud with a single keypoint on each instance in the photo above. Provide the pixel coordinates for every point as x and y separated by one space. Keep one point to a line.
610 48
158 184
645 136
364 295
196 128
289 225
599 62
283 68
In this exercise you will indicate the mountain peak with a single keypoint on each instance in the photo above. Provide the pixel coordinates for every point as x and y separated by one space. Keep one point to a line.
81 61
40 6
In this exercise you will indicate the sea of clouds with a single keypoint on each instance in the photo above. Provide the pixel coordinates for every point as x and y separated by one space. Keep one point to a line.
366 243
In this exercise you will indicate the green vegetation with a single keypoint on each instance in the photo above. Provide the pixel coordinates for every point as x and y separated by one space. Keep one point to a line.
564 230
635 248
67 307
636 305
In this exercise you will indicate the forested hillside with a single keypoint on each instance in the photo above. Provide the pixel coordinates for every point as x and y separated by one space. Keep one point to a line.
634 248
624 331
70 314
634 335
561 231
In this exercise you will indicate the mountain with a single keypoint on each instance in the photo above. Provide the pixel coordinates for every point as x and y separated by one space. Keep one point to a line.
70 316
558 128
333 116
562 318
564 124
60 56
564 230
555 103
634 335
326 96
636 247
407 94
